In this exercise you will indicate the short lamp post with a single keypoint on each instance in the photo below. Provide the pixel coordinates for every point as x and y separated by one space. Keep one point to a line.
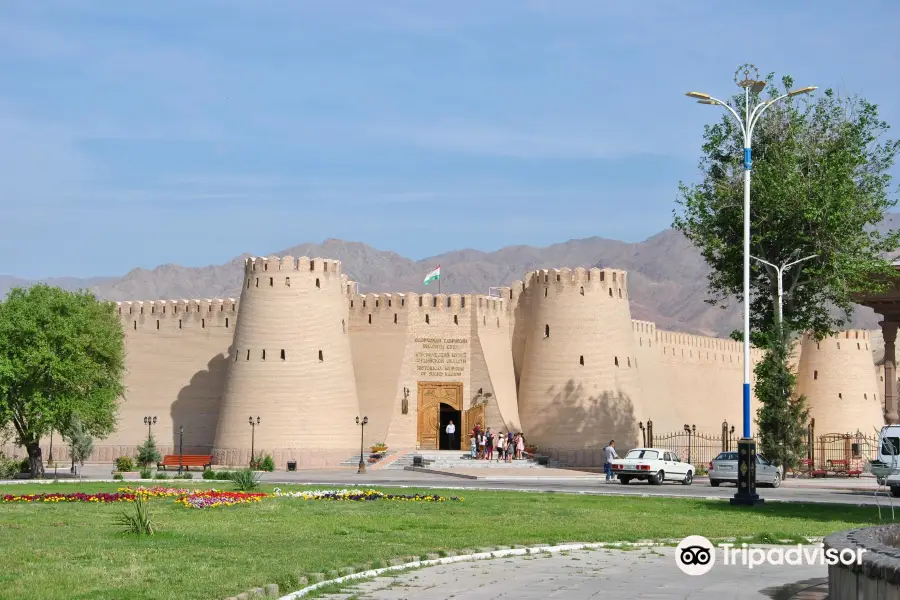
643 434
253 425
180 448
149 422
747 78
362 423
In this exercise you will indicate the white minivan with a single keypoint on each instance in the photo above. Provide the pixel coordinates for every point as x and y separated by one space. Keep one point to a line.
886 467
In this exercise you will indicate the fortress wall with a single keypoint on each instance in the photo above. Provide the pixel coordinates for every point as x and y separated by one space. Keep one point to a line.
658 402
519 309
291 366
579 385
492 364
176 357
838 377
379 335
704 376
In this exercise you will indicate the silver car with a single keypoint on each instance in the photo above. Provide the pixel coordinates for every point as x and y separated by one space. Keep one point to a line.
724 468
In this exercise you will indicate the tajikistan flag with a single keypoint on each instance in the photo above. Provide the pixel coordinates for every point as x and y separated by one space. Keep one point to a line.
433 276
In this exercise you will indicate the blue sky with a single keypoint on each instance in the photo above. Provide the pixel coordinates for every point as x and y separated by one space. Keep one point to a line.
134 134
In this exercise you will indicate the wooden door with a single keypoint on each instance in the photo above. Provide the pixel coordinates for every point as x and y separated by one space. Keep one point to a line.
472 417
431 395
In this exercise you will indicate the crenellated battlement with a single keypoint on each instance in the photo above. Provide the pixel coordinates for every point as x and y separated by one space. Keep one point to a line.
647 328
159 315
264 264
850 339
686 345
170 308
611 282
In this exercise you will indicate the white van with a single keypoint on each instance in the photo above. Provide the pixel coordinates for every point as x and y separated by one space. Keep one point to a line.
886 467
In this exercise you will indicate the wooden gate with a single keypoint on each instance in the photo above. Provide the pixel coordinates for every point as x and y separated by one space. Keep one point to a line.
430 397
472 417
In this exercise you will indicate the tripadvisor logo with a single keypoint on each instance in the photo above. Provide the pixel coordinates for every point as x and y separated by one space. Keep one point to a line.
696 555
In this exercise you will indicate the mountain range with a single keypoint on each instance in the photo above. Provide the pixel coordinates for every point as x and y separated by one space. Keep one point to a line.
667 276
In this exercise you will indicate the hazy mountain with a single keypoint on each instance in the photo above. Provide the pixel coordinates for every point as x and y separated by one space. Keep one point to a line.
667 276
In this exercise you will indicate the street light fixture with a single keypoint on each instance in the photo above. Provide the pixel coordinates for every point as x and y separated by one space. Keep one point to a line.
362 424
780 271
750 82
149 422
253 425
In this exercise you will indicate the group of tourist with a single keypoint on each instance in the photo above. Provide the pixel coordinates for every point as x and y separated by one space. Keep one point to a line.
485 445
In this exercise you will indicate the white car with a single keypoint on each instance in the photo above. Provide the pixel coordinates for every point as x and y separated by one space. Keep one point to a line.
653 464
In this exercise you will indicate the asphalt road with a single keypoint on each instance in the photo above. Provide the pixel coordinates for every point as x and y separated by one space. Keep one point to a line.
855 492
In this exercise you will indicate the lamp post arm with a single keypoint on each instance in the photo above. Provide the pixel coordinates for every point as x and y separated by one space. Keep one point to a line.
744 128
760 109
796 262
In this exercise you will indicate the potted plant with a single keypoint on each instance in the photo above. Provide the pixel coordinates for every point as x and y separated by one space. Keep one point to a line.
378 452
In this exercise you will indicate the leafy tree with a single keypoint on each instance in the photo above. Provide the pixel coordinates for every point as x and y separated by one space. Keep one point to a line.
147 454
62 356
820 186
81 444
782 418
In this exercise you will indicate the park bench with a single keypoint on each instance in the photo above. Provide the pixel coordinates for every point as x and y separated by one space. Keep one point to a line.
808 465
186 460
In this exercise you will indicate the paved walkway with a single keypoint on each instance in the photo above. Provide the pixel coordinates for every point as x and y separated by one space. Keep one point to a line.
647 574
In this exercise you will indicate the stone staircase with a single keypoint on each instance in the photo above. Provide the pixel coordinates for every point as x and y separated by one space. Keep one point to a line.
353 461
454 459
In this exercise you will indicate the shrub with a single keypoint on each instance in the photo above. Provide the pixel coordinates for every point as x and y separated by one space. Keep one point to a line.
160 475
138 520
209 474
124 463
118 477
245 480
223 475
145 473
25 465
184 475
9 467
267 464
147 454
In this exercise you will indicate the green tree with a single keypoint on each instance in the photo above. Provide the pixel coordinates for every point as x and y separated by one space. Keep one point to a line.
820 186
62 356
782 416
80 442
147 453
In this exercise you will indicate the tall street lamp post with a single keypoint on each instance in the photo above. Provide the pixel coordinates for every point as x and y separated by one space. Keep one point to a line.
149 422
362 424
180 448
253 425
746 494
779 270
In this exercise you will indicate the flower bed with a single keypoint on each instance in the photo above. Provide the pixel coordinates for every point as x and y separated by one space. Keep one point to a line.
185 497
363 495
214 499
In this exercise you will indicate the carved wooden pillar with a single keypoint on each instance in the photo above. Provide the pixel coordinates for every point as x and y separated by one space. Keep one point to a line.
889 331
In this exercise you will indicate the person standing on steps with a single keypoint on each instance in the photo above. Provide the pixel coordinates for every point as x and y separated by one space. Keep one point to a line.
451 435
611 455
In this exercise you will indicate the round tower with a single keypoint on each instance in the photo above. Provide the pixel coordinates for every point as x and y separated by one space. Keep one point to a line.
838 378
290 366
579 384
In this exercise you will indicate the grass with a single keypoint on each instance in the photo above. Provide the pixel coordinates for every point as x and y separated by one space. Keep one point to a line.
71 551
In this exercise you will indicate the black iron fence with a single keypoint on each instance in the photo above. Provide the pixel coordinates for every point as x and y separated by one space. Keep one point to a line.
823 451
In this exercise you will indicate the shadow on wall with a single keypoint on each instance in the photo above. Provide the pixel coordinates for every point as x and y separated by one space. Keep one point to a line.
197 408
577 426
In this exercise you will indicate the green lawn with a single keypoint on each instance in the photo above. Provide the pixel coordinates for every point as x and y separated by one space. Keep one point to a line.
71 551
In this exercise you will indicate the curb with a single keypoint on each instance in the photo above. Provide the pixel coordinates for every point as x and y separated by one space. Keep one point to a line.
465 558
481 556
436 472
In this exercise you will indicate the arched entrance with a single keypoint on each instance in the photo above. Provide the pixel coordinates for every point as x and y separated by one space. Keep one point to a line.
439 402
